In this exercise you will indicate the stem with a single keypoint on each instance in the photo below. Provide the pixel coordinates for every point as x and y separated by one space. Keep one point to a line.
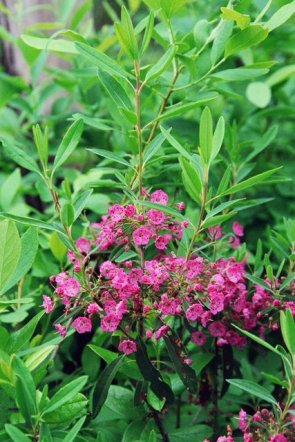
215 394
158 422
138 125
178 411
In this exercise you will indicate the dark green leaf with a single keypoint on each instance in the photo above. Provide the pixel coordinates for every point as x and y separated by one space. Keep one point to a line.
20 337
253 389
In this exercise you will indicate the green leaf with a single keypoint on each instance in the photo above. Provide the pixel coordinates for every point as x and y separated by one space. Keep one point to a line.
67 214
110 156
101 60
164 209
115 90
239 74
70 437
128 28
32 222
57 246
244 39
288 330
66 413
20 337
174 143
41 142
20 156
161 65
9 189
241 20
48 44
153 147
68 144
147 33
206 135
281 16
222 35
259 94
191 179
25 390
218 138
217 220
64 394
154 401
103 383
281 75
254 389
16 434
186 373
223 206
29 248
179 109
250 182
196 433
262 142
39 356
151 374
201 361
81 201
10 249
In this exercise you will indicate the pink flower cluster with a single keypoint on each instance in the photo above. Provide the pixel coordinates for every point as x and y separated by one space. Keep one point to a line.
142 294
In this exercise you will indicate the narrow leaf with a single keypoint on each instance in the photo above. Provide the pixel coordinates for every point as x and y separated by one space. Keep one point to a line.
254 389
10 249
68 144
64 394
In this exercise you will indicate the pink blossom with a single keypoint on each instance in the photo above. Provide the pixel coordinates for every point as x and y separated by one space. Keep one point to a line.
180 206
162 241
108 269
168 306
238 229
127 346
159 197
141 236
149 334
130 210
69 287
116 212
82 324
156 216
215 232
83 244
93 308
243 420
188 361
198 338
48 304
217 329
162 331
234 241
110 322
278 438
194 312
61 329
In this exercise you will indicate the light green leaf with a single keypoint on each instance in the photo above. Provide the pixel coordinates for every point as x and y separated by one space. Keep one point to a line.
281 75
217 220
241 20
20 156
179 109
81 201
218 138
147 33
29 248
16 434
259 94
127 26
10 249
222 35
281 16
58 248
36 358
206 135
246 38
32 222
70 437
67 214
68 144
191 179
254 389
175 143
68 412
161 64
20 337
288 330
110 156
115 90
101 60
153 147
60 45
65 394
239 74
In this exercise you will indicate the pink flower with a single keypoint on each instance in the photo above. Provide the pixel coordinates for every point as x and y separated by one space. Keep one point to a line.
93 308
116 212
278 438
188 361
198 338
215 232
194 312
48 304
149 334
162 241
217 329
61 329
127 346
234 241
162 331
110 322
238 229
82 324
156 216
83 244
130 210
159 197
180 206
69 287
243 420
141 236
